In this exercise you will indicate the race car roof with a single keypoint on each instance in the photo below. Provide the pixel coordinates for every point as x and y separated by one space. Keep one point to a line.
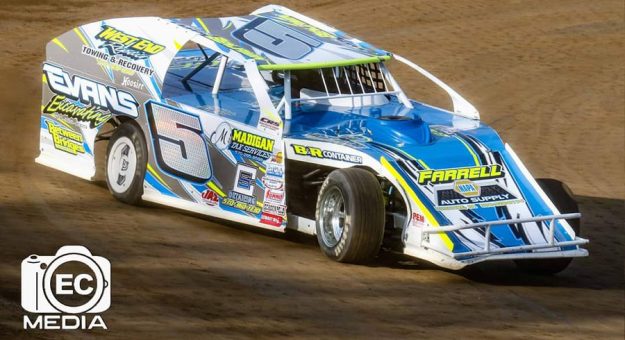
278 38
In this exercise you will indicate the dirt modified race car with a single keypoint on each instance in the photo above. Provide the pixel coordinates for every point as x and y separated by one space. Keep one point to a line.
277 121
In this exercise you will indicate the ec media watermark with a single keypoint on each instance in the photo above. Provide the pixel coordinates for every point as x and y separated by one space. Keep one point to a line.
67 290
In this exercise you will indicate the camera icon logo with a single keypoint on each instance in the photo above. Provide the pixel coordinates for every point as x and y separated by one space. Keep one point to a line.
73 281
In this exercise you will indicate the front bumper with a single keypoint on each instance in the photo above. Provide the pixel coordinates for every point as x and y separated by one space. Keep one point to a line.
551 249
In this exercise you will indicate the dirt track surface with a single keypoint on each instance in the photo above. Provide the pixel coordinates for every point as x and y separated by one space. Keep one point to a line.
548 75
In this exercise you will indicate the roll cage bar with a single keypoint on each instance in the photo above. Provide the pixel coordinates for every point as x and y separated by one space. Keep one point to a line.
288 99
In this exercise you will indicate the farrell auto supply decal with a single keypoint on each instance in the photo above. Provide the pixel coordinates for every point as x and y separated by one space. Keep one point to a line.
467 188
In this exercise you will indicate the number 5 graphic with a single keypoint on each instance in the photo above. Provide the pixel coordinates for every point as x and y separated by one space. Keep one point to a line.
276 39
179 146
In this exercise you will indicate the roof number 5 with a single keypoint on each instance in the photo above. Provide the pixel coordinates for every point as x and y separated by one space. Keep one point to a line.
276 39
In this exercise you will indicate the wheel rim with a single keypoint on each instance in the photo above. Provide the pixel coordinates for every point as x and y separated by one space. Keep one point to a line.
332 217
121 165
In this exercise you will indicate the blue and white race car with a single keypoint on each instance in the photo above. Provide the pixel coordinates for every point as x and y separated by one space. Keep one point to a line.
276 120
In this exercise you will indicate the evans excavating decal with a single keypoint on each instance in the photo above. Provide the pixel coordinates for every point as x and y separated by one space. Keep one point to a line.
78 111
88 91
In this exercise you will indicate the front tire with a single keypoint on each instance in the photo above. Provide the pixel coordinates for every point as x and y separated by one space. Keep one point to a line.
562 197
350 216
126 162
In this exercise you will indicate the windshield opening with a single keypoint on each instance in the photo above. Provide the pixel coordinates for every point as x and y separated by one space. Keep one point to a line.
348 86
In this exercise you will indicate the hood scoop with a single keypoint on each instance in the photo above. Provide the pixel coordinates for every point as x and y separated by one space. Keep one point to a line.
399 130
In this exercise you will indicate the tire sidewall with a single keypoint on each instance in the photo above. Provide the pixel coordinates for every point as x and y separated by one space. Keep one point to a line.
134 191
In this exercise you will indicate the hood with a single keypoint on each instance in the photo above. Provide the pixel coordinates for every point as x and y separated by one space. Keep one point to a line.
458 168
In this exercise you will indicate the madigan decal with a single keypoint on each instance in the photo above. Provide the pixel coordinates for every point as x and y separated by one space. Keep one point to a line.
256 146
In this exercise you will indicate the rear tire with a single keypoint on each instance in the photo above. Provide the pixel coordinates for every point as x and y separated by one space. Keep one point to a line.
350 216
562 198
126 162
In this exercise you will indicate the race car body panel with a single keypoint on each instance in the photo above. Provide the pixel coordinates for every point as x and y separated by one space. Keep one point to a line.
457 171
225 104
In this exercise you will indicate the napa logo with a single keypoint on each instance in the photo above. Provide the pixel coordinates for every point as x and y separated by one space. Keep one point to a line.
117 42
467 188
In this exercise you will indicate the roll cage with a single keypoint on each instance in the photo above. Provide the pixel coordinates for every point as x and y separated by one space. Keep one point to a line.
342 81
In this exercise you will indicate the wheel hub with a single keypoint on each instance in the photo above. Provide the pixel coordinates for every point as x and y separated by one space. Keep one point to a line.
332 217
121 165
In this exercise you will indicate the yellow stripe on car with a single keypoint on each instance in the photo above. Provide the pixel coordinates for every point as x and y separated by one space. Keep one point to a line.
475 159
158 177
60 44
428 215
203 25
215 188
423 164
80 36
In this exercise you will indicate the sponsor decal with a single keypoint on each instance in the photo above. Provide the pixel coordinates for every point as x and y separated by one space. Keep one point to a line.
417 220
242 202
117 63
255 146
77 110
274 196
135 84
221 136
66 291
277 158
269 124
65 140
274 209
273 183
90 92
270 219
275 170
467 188
117 42
210 197
451 175
487 196
314 152
245 180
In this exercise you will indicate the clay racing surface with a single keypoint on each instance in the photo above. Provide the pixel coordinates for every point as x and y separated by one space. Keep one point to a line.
548 75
